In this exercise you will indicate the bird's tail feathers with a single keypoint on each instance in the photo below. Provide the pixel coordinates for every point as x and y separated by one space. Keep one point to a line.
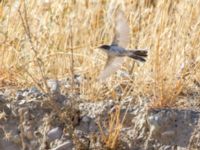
139 55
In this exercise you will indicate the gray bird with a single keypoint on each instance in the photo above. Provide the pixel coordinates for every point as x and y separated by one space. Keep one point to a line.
117 50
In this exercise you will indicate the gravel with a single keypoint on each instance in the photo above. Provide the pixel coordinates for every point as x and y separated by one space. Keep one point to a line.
30 120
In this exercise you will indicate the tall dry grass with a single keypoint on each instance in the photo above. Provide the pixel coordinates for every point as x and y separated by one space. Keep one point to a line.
170 29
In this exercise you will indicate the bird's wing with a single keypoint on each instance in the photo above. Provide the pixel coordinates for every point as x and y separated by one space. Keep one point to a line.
121 37
112 64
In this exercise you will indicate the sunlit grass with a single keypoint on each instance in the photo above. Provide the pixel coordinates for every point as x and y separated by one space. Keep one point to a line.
169 29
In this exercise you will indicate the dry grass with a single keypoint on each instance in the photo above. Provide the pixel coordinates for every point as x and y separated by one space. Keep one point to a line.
170 29
57 39
113 129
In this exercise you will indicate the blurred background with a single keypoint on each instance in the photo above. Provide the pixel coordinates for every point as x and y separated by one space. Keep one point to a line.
49 39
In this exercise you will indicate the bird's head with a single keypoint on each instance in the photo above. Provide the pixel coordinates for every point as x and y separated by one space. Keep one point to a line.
104 47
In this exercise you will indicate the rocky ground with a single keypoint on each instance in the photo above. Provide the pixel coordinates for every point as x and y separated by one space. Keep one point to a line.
32 120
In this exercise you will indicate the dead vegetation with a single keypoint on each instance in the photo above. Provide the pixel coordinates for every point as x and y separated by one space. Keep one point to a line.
41 40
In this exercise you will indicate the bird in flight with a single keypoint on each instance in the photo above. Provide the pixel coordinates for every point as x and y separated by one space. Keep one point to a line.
117 50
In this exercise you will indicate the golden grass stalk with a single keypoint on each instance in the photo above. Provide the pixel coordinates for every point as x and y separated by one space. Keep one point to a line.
115 125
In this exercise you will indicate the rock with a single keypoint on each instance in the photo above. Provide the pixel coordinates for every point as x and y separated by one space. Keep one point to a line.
94 109
22 102
168 133
181 148
2 98
86 119
60 98
25 93
55 133
53 86
19 95
8 145
34 92
167 147
66 137
7 92
68 145
154 122
171 126
87 124
84 124
93 126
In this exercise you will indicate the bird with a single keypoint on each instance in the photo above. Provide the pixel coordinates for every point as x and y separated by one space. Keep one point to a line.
117 50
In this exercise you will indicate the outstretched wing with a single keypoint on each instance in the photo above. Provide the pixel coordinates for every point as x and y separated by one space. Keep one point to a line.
121 37
112 65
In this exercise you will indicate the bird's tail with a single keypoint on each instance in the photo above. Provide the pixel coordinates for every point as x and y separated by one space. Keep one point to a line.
137 54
